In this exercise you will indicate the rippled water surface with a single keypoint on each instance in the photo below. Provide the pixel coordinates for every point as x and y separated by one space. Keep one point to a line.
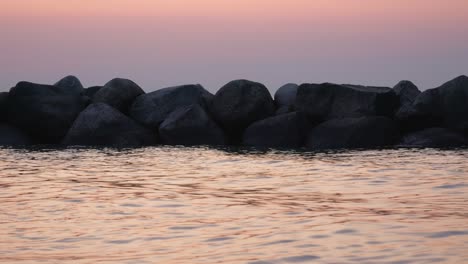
201 205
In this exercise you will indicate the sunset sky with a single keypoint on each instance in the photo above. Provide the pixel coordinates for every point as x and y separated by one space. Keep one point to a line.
160 43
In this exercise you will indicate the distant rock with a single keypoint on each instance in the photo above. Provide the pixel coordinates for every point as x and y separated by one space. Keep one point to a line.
12 136
102 125
153 108
434 137
239 103
285 98
70 84
118 93
3 106
190 125
91 91
444 106
287 130
329 101
362 132
45 112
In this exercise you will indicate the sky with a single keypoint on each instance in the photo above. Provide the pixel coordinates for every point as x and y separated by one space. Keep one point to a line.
161 43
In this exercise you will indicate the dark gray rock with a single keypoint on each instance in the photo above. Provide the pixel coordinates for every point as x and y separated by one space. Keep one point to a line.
328 101
190 125
287 130
406 92
12 136
91 91
118 93
240 103
444 106
70 84
153 108
362 132
45 112
102 125
285 98
3 106
435 137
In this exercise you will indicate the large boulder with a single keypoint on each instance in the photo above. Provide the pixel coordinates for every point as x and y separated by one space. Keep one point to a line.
91 91
70 84
239 103
102 125
3 105
12 136
361 132
444 106
118 93
152 109
434 137
287 130
329 101
45 112
190 125
285 98
406 92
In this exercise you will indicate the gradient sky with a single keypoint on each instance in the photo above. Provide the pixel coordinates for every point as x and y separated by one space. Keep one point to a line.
160 43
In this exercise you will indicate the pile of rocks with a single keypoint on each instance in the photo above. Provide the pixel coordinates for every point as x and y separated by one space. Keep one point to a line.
242 112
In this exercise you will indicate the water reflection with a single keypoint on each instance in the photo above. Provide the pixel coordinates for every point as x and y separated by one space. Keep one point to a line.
203 205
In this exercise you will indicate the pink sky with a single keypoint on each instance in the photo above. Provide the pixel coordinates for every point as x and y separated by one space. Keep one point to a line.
160 43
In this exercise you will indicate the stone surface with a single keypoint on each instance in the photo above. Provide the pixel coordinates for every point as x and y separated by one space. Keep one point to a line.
406 92
285 98
362 132
153 108
287 130
102 125
118 93
444 106
434 137
70 84
3 106
190 125
12 136
239 103
45 112
91 91
328 101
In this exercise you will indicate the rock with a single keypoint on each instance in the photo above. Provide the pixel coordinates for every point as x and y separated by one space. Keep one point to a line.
240 103
287 130
118 93
12 136
285 98
190 125
361 132
153 108
3 106
444 106
329 101
45 112
91 91
406 92
102 125
70 84
434 137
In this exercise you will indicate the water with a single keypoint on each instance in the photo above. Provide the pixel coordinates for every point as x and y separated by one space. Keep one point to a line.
201 205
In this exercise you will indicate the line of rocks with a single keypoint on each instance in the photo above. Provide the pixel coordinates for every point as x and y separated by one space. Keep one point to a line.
242 112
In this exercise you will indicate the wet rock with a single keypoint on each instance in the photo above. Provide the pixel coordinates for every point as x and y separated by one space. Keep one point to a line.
45 112
153 108
190 125
91 91
361 132
287 130
70 84
444 106
118 93
240 103
434 137
102 125
12 136
285 98
328 101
